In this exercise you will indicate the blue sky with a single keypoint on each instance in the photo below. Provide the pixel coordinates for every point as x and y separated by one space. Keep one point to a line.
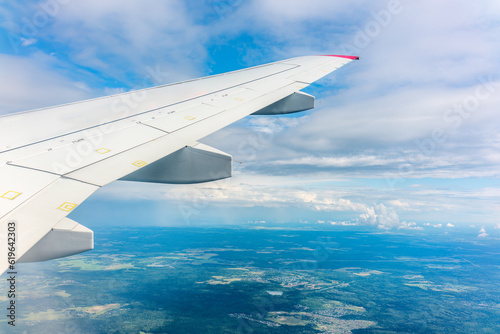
406 138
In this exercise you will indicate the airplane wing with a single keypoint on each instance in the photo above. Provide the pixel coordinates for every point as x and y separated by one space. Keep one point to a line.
52 159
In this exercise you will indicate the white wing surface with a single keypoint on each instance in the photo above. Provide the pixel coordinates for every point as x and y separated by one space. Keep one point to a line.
52 159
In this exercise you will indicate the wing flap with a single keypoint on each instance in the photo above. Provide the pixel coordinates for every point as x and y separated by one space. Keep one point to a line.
296 102
66 238
191 164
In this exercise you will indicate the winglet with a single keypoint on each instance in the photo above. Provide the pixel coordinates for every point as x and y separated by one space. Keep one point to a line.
348 57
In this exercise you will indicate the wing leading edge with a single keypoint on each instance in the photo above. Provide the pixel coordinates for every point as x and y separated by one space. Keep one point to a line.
52 159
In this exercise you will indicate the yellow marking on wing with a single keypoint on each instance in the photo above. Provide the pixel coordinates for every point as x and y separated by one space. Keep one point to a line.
11 194
140 163
68 206
103 150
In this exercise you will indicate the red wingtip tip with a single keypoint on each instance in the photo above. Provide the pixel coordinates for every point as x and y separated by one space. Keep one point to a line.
340 56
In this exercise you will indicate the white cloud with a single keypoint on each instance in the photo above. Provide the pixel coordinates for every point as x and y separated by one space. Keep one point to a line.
258 222
107 35
387 114
30 82
353 161
380 216
409 226
238 192
399 204
28 41
450 225
243 191
482 233
344 223
118 40
286 12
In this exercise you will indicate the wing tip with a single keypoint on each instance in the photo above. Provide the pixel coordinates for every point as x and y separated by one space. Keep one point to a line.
342 56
